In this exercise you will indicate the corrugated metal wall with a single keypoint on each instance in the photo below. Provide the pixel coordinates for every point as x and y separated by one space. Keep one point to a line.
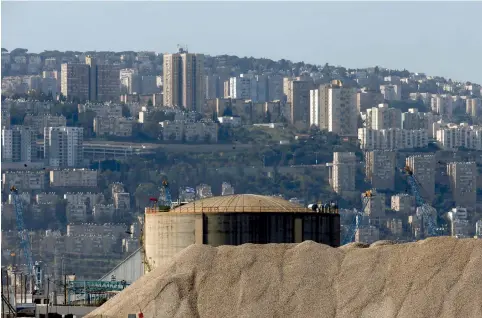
129 269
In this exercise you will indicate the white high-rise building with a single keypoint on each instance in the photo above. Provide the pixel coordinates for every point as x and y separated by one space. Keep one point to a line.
473 107
413 120
342 178
183 80
240 87
459 222
63 146
18 144
383 117
333 107
463 183
453 136
442 105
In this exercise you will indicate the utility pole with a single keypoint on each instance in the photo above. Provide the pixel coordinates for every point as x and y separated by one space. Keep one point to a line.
25 297
1 282
8 287
15 286
21 288
48 295
65 289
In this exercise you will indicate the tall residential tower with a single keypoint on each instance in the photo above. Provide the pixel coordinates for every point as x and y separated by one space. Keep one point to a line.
183 80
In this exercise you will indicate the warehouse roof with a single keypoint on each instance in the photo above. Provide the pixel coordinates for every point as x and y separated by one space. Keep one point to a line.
240 203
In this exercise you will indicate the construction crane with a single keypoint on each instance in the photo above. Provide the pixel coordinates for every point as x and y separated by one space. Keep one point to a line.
350 235
424 207
24 237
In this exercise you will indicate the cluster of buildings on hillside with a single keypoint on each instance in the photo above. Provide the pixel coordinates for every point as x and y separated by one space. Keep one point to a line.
380 170
355 105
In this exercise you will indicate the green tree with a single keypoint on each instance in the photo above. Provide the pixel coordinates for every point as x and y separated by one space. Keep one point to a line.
143 193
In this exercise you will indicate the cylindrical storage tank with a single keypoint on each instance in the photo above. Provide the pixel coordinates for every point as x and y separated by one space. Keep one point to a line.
235 220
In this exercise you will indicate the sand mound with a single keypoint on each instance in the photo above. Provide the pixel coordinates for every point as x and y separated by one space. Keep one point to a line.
438 277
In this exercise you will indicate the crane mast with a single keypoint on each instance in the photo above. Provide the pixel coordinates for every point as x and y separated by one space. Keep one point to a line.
350 236
24 237
424 207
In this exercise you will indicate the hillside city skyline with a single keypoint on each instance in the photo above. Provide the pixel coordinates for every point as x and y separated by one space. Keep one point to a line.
397 45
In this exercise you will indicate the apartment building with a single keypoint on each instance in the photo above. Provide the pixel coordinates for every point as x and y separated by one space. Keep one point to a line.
122 200
383 117
392 139
183 80
46 198
275 88
403 203
342 172
107 229
473 107
241 88
423 167
19 144
227 189
391 92
63 146
203 191
442 105
5 118
415 120
73 178
366 100
459 222
463 183
178 130
375 207
453 136
39 122
298 96
367 234
104 81
24 180
87 198
102 212
75 81
333 107
102 109
380 169
113 126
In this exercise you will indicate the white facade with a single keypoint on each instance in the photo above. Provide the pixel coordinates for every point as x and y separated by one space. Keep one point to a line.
240 87
414 120
383 117
391 92
63 146
454 136
334 108
392 139
463 183
442 105
343 172
459 222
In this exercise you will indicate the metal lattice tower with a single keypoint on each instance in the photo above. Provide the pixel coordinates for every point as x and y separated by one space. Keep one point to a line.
24 237
350 236
424 207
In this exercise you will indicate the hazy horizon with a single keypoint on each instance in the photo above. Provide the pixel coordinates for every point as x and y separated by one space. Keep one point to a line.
436 38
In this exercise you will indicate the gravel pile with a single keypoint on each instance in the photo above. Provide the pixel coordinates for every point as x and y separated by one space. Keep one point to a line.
437 277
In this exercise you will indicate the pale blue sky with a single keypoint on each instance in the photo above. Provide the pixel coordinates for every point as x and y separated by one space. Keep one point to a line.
438 38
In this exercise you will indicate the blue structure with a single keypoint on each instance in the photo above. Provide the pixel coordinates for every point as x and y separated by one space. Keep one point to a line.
350 236
426 215
24 237
90 292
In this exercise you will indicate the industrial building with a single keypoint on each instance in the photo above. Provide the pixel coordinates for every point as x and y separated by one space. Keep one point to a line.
234 220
